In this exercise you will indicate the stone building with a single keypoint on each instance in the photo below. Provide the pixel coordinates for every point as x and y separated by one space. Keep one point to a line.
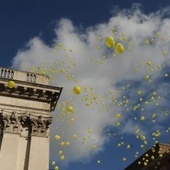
156 158
25 116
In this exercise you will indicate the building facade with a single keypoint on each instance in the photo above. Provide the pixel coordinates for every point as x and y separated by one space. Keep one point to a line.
26 103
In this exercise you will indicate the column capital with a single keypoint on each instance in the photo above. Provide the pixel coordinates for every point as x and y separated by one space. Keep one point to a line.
40 125
15 122
9 122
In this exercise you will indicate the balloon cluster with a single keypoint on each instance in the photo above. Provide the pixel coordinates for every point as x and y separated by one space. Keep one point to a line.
121 97
110 43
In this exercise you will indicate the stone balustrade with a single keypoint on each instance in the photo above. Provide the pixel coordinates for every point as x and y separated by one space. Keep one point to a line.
23 76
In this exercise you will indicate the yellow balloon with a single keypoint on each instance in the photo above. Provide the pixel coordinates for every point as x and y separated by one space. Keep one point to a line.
56 168
124 159
148 63
142 118
147 78
57 137
70 109
67 143
62 157
77 90
89 130
98 161
166 75
110 42
118 124
74 136
11 84
128 146
139 92
117 116
152 157
62 143
119 48
53 163
60 152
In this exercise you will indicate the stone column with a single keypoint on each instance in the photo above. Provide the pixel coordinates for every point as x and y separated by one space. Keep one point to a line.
23 149
39 148
10 141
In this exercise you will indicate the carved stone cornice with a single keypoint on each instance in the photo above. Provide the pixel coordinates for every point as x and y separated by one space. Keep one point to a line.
40 125
15 122
31 91
9 122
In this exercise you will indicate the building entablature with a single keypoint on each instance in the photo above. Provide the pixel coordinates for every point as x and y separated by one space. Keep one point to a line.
31 91
16 122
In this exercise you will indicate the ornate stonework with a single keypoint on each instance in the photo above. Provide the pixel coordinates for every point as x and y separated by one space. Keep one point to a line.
9 122
13 122
40 125
25 116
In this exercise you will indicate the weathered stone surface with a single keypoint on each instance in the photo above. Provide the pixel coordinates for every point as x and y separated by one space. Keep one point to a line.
24 120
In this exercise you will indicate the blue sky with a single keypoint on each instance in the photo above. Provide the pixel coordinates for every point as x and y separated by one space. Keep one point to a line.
66 40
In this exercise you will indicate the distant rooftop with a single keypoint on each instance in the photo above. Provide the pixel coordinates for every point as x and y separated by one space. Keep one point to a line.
23 76
156 150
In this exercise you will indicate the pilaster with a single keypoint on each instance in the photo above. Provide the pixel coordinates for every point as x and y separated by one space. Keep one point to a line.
25 138
11 127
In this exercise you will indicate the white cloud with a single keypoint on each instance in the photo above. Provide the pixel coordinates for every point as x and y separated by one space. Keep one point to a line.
80 47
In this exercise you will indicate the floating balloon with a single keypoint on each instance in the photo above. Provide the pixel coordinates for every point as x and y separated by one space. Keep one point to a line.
62 157
124 159
147 78
154 93
11 84
142 118
60 152
146 42
74 136
142 102
152 98
139 162
117 116
57 137
53 163
67 143
98 161
166 75
128 146
119 48
89 130
77 90
118 124
142 137
139 92
148 63
119 144
62 143
152 157
110 42
94 146
70 109
56 168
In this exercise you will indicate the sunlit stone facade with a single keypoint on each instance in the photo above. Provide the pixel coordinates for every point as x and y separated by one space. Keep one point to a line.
25 116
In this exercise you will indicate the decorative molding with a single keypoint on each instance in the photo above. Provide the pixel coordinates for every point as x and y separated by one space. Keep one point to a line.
35 93
40 125
15 122
10 122
23 108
